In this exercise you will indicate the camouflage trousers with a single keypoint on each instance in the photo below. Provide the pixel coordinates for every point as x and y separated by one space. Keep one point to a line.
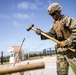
62 64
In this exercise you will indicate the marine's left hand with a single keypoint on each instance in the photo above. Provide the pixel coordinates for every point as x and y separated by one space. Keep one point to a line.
63 43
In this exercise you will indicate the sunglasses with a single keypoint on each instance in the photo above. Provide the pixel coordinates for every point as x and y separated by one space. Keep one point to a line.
53 14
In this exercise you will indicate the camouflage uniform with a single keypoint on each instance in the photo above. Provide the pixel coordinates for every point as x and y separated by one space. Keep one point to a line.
64 29
69 24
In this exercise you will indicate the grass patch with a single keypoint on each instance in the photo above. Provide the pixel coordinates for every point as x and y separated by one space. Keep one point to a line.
36 57
73 66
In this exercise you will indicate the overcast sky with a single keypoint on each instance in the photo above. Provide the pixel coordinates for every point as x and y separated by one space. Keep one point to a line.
17 15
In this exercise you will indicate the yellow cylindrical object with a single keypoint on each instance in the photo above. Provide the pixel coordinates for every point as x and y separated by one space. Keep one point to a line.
20 68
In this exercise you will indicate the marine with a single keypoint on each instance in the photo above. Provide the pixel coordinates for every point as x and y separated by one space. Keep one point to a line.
64 30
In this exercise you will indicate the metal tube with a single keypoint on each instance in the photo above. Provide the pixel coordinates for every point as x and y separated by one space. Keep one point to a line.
20 68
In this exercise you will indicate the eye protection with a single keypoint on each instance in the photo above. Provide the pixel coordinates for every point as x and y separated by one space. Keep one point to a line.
52 14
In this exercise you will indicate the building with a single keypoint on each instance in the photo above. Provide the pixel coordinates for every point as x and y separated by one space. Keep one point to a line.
16 54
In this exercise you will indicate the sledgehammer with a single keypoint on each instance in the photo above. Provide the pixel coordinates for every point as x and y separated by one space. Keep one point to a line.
47 36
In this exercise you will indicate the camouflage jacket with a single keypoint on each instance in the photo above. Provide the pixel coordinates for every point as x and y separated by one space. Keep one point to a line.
64 29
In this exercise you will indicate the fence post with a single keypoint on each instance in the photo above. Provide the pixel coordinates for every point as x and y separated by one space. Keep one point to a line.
1 57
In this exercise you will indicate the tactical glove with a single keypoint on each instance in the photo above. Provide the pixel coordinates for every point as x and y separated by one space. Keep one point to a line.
63 43
38 31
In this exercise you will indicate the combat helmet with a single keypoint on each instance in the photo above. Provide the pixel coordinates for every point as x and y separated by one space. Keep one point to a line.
53 7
